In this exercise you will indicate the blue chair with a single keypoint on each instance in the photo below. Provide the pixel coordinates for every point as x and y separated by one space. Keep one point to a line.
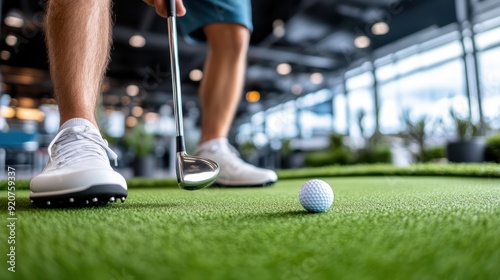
18 141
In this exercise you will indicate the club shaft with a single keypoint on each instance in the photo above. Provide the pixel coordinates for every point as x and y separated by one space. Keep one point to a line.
176 83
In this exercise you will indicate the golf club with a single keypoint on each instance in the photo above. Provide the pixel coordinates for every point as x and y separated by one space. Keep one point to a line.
193 173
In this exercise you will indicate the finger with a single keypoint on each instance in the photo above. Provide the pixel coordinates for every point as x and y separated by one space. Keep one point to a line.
161 7
179 6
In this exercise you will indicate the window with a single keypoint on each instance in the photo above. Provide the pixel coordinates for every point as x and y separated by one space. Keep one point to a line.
428 94
340 113
489 69
360 100
315 115
488 38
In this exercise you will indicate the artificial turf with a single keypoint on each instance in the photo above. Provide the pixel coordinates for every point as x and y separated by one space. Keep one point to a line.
385 227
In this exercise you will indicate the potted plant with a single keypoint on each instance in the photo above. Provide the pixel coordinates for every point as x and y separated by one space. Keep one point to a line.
141 143
492 148
467 147
415 132
336 154
374 150
289 156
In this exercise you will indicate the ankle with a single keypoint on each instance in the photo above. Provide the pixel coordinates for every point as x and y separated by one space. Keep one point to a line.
76 122
212 142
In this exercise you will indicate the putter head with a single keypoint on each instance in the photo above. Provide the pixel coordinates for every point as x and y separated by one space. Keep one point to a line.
194 173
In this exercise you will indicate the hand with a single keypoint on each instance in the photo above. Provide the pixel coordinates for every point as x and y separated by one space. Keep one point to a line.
161 8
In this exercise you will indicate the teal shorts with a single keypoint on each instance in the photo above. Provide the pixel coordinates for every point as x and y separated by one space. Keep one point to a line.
203 12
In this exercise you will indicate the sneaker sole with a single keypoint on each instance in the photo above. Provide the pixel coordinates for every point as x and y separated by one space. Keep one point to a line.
93 196
262 185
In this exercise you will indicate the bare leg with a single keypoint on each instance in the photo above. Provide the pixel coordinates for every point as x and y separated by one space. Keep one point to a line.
224 73
78 36
78 171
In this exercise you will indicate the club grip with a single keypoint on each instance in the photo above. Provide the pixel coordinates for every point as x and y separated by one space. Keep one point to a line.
181 147
170 8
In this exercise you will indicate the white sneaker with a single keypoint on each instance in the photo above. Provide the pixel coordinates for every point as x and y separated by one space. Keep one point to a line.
78 171
234 172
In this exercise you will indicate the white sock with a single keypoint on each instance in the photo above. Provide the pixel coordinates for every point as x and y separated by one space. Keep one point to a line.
76 122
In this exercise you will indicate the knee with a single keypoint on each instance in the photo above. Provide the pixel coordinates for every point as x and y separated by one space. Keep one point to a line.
228 38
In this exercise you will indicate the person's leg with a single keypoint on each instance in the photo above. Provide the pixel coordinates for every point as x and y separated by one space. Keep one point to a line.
220 93
78 170
224 72
78 36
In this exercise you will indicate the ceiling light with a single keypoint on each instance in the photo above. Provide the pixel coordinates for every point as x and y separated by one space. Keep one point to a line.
151 117
279 31
131 121
5 55
316 78
29 114
137 111
297 89
137 41
14 19
278 23
196 75
362 42
253 96
27 102
11 40
25 79
125 100
380 28
7 112
132 90
278 28
283 68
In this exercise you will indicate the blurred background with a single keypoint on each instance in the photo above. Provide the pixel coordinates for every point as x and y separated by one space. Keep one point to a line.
328 82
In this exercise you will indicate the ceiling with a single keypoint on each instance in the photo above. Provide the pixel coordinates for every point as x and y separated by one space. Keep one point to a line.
319 37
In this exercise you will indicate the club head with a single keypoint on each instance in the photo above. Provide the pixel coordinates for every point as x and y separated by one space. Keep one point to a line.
194 173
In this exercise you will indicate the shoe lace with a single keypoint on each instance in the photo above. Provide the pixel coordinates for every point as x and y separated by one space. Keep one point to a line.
72 143
236 162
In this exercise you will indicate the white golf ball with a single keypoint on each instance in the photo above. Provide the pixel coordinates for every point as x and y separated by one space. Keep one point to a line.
316 196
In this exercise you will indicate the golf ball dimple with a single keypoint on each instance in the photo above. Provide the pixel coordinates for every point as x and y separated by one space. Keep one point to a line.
316 196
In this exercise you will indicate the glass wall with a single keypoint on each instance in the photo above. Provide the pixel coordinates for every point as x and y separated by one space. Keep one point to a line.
361 103
281 121
426 80
315 114
340 120
424 85
489 62
488 43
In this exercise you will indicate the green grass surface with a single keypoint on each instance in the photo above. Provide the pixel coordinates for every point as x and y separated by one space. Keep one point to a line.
484 170
490 170
385 227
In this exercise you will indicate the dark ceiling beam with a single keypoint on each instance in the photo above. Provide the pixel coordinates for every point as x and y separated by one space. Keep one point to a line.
159 42
23 76
367 15
154 41
279 55
380 3
304 5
